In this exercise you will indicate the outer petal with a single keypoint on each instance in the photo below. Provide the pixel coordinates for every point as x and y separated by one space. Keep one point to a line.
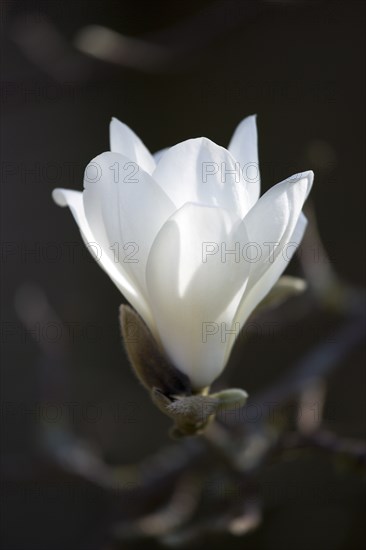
272 220
254 295
74 199
124 141
190 286
198 170
126 209
244 148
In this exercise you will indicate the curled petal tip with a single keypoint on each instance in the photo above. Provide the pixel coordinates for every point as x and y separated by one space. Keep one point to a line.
309 174
310 177
59 197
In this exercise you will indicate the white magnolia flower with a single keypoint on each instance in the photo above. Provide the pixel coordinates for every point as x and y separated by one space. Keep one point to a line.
175 217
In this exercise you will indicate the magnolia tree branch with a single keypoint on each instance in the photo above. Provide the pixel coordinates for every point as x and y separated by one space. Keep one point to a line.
323 441
316 364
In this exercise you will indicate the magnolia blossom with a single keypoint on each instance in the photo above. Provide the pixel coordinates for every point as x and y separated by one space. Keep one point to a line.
185 237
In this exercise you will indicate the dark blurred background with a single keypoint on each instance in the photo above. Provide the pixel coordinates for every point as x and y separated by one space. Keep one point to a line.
186 69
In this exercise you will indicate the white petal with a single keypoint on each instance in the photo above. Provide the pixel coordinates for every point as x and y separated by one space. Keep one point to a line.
198 170
158 155
244 148
191 284
74 199
126 209
123 140
272 220
255 294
